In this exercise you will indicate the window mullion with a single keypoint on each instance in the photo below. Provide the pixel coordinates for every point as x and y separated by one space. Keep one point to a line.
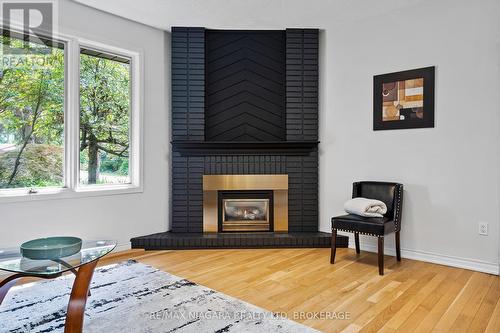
72 124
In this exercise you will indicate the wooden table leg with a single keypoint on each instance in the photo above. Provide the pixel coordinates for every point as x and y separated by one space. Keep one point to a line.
71 269
8 283
78 299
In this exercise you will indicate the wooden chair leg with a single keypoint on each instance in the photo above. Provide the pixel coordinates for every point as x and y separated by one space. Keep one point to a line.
398 247
381 255
356 240
334 247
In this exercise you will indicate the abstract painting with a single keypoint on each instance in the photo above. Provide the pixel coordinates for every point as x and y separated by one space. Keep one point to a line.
404 99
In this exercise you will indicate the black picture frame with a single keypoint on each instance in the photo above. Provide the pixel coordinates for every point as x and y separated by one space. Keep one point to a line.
428 74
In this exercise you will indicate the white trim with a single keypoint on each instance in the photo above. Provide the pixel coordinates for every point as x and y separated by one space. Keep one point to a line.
51 193
136 115
72 187
72 130
435 258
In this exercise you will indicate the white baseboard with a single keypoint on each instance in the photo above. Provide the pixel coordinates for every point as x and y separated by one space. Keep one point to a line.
472 264
122 247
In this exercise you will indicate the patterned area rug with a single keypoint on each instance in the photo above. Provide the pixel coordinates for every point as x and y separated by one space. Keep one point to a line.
132 297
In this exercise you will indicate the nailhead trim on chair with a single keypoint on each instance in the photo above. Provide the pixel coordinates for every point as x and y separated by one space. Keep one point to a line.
397 216
359 232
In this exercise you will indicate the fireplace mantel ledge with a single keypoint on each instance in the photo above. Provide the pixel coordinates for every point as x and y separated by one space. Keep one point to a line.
202 148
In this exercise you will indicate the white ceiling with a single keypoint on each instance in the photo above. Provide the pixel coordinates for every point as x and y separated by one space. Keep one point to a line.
246 14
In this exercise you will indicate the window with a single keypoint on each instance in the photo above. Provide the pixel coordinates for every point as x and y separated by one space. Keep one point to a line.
69 121
104 118
31 117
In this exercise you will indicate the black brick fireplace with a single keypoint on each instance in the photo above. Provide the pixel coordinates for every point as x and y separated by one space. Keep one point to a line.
243 103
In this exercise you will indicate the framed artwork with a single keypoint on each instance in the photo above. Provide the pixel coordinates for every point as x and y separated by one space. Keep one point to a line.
404 99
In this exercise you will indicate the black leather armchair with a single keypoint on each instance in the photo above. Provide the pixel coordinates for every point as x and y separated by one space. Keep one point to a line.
392 195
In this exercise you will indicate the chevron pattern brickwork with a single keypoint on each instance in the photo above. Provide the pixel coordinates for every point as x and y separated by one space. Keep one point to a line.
245 92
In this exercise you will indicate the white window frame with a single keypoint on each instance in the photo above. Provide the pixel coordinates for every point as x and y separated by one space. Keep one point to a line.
71 173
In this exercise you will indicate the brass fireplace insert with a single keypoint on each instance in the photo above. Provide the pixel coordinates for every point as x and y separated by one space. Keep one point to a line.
253 212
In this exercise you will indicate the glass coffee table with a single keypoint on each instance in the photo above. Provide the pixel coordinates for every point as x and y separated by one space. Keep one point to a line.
82 264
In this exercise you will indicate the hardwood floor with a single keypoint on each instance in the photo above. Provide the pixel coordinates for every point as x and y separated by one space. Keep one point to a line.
412 296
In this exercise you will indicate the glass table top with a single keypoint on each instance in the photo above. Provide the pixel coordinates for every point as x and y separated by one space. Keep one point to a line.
12 260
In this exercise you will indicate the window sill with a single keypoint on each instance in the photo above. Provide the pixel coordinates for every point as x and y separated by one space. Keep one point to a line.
10 196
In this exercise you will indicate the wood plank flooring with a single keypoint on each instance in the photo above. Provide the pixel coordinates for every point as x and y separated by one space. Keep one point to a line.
412 296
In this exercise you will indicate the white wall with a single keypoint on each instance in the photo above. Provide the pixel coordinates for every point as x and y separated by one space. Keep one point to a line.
117 217
451 172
